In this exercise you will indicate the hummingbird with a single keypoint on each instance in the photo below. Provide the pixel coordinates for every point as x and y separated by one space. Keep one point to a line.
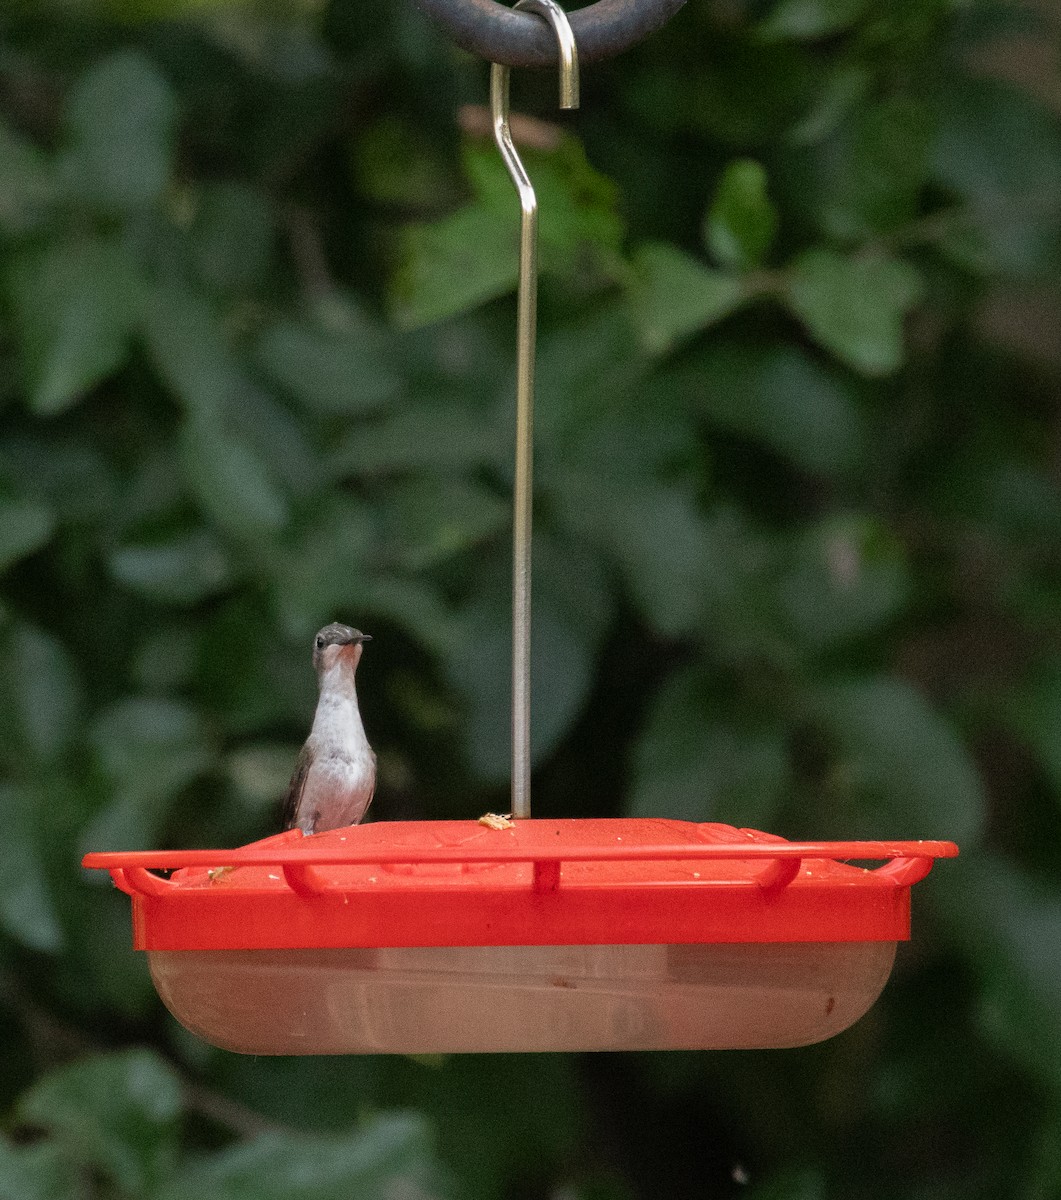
335 775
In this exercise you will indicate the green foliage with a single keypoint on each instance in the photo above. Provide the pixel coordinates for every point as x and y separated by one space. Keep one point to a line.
116 1112
37 1172
741 222
75 303
854 307
674 296
471 256
698 759
119 126
391 1156
901 759
120 1114
26 910
796 558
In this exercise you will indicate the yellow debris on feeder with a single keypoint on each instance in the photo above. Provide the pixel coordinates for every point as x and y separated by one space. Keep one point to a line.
496 821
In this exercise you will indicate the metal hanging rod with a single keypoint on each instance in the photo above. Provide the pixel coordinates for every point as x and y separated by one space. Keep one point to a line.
527 328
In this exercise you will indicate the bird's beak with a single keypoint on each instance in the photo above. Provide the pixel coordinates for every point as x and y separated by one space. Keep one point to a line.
365 637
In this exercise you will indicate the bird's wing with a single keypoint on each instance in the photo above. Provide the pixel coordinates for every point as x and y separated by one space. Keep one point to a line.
371 790
296 787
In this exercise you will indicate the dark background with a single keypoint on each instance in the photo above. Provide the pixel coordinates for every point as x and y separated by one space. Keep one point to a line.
797 561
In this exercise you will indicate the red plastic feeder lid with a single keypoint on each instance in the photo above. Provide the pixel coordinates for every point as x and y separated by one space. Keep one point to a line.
541 882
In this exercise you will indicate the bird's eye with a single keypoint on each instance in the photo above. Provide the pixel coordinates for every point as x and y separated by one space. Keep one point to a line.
320 643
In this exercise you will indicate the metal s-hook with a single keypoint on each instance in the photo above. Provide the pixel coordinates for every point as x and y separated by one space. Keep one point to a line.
527 328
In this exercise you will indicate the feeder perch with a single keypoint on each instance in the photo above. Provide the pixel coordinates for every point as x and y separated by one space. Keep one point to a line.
450 936
446 937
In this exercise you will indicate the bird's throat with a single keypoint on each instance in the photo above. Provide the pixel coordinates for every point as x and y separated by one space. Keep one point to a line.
338 718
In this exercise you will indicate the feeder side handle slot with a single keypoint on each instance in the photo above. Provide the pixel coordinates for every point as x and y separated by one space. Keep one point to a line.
502 35
304 881
904 872
145 883
779 874
120 882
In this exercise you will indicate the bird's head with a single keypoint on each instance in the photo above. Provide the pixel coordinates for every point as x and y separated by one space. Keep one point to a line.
335 644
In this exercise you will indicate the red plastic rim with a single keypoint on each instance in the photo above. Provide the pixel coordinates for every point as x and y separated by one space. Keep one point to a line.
540 882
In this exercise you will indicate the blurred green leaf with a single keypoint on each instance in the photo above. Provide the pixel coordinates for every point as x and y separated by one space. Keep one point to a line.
472 255
868 177
120 123
26 909
427 436
458 263
324 560
808 19
578 220
189 350
623 479
742 221
844 578
784 398
390 1155
149 750
901 763
243 454
1000 153
841 89
674 296
1015 497
165 659
180 570
735 90
418 605
494 1087
1010 926
886 168
479 664
399 164
26 183
118 1112
855 307
260 773
75 303
327 371
100 966
665 575
230 481
1036 714
70 475
994 145
576 582
282 440
25 526
588 366
696 761
37 1172
431 520
232 236
43 692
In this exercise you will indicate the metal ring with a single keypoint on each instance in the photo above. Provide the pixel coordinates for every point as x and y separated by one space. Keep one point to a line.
514 39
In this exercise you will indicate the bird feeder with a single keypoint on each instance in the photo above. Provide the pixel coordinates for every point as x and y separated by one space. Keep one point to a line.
454 936
449 936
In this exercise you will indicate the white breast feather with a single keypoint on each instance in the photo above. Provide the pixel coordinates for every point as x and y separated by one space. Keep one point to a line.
341 781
